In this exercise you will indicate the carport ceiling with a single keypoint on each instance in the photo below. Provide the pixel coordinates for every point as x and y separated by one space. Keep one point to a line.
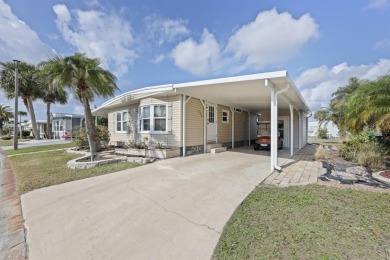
248 92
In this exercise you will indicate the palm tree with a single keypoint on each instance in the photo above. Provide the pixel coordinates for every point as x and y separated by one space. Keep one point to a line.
86 79
51 93
28 87
5 114
52 97
339 106
369 105
21 113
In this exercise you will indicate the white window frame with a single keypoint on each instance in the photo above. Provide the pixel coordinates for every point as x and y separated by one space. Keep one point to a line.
121 121
152 118
228 116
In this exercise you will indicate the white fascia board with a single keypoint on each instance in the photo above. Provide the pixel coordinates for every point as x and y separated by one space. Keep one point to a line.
160 88
259 76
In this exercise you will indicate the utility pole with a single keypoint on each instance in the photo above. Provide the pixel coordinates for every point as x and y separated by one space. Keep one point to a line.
16 105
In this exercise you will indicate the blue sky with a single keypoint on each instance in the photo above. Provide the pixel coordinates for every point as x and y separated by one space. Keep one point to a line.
321 43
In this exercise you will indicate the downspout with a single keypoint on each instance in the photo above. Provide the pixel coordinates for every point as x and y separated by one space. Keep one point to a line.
275 130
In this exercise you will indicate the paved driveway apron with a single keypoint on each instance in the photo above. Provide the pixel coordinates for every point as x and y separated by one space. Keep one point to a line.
171 209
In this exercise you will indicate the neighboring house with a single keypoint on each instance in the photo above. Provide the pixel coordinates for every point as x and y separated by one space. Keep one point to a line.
63 124
333 131
41 124
221 111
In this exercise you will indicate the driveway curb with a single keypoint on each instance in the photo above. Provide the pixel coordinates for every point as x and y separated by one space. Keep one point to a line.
12 233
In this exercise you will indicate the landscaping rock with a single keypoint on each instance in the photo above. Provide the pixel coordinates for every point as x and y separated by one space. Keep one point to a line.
357 170
344 176
340 167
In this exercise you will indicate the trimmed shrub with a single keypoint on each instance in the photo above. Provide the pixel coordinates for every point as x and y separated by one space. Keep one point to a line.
25 133
81 139
6 137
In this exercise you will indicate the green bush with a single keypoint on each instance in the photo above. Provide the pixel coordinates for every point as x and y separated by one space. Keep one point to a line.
81 139
6 137
323 133
371 154
25 133
365 149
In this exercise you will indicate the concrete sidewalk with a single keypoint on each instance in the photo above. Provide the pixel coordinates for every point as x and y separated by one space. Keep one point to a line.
12 239
171 209
32 143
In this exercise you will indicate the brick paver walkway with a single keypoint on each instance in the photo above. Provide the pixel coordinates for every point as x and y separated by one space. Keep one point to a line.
301 169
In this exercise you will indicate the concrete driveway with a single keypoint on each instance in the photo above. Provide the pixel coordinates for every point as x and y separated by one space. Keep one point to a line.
171 209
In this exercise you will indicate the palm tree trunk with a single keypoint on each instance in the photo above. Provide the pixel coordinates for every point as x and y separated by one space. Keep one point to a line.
33 120
48 123
1 127
93 140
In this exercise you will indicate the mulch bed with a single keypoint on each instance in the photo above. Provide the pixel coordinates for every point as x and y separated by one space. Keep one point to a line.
385 174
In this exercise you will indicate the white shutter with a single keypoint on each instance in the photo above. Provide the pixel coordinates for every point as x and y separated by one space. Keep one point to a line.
169 118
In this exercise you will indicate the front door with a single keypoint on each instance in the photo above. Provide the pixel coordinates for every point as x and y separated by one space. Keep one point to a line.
211 123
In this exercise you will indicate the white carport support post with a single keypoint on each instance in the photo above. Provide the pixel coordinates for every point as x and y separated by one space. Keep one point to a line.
292 130
274 124
184 123
249 129
232 109
184 101
300 129
204 126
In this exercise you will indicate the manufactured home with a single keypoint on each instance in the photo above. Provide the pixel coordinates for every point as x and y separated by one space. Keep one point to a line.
197 116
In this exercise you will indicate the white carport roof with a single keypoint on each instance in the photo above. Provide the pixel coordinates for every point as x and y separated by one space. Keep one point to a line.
249 92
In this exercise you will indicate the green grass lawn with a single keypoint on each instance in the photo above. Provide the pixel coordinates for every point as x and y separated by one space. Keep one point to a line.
324 141
308 222
40 148
11 142
34 171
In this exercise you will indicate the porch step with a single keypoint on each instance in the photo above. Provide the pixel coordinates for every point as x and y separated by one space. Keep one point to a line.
212 146
218 150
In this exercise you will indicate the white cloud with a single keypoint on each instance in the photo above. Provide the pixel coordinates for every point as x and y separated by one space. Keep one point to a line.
107 36
385 43
271 39
198 58
18 40
160 58
318 84
164 30
378 4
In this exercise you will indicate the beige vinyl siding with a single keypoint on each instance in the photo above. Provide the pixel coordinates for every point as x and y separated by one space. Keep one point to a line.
224 130
240 126
171 139
132 124
194 122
